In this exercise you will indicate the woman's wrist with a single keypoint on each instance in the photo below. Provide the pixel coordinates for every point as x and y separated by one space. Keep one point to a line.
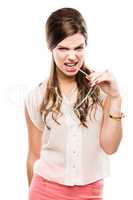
115 97
115 108
115 105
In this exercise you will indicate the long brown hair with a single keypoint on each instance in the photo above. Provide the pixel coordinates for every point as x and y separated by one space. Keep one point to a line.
62 23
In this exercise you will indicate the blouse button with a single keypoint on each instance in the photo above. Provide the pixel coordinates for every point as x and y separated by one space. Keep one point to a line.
74 134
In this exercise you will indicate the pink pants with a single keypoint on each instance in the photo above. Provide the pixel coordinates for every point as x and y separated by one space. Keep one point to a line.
42 189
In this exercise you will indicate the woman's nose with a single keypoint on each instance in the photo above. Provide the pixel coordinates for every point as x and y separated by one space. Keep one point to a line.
72 55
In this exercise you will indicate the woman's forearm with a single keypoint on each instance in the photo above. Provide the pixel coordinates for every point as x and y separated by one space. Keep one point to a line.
29 171
30 163
111 132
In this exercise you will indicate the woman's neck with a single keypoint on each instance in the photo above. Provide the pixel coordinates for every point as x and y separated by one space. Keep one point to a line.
66 83
64 79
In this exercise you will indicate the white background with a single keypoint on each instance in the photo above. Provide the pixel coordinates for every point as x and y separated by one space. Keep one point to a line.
24 62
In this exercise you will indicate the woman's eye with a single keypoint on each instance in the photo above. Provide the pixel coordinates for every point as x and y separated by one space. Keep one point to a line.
79 48
62 48
66 49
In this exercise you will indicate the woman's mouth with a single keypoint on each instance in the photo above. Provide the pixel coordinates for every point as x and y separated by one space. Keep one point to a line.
71 64
71 67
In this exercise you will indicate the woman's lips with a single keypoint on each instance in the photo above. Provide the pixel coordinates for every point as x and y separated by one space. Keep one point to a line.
70 67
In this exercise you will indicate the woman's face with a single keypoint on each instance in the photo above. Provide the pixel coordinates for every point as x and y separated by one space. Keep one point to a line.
69 54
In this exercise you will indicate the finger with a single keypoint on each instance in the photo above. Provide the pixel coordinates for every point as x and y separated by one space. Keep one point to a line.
102 79
96 76
105 74
93 73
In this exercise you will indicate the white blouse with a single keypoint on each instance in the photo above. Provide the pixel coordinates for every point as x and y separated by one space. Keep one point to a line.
70 154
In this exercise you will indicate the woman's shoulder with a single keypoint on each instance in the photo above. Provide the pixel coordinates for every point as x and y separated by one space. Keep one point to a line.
41 87
37 92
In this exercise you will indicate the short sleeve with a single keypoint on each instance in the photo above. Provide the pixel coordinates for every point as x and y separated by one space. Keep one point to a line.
32 103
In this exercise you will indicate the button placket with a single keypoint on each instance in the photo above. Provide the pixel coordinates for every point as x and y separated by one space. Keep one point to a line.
75 158
73 150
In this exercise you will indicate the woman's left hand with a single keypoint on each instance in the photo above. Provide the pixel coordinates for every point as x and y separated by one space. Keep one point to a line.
106 81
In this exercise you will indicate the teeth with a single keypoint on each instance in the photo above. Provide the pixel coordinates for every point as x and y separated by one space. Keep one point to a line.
70 65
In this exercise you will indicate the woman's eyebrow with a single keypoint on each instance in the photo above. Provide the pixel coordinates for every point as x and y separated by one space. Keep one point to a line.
61 46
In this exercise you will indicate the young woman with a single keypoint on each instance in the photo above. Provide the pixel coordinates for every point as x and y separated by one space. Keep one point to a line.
73 118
